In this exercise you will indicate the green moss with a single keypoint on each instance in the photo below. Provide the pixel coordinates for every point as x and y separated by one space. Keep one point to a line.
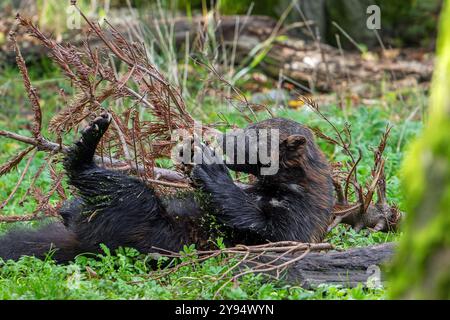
421 268
208 220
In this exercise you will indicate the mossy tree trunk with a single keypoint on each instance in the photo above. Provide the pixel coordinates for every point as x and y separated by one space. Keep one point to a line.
422 265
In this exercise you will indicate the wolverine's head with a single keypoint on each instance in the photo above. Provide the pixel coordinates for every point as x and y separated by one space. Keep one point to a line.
267 147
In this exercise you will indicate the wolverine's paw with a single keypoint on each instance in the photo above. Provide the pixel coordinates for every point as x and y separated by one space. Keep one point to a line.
209 167
83 150
199 161
95 130
185 154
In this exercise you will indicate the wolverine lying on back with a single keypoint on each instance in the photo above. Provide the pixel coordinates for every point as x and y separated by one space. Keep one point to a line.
119 210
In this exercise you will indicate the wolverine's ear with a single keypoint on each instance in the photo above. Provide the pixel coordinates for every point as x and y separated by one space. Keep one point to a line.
295 141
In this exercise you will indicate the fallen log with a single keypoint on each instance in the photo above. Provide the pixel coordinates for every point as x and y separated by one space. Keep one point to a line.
346 268
316 65
301 264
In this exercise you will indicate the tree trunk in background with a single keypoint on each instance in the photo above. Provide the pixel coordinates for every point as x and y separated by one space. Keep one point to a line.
350 15
422 265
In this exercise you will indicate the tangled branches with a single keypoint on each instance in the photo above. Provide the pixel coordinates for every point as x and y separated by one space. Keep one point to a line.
362 214
271 259
140 133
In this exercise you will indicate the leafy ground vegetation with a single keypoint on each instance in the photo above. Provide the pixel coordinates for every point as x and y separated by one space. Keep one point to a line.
127 275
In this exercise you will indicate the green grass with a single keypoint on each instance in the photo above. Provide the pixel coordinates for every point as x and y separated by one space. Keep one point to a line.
126 275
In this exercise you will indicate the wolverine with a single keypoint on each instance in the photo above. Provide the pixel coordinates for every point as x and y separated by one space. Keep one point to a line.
119 210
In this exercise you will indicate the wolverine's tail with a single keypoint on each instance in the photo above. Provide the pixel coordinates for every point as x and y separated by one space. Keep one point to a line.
40 242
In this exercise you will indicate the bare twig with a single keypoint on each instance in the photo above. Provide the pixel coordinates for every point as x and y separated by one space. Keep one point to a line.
262 258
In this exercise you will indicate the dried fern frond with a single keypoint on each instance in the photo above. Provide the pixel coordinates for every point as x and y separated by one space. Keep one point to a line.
12 163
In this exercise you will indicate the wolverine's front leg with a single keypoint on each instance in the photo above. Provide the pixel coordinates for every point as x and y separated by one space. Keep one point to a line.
236 208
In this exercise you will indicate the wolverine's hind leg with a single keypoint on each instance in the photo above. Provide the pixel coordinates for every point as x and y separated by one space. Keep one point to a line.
82 153
113 209
78 160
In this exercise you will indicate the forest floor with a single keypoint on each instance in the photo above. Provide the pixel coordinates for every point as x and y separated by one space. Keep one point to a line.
126 275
